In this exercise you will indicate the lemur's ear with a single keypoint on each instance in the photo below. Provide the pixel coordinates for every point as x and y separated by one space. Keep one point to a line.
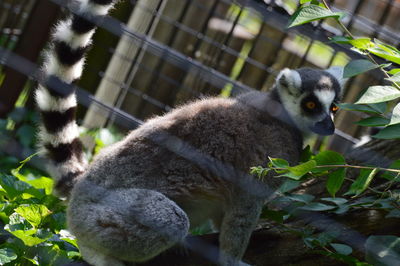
289 80
337 72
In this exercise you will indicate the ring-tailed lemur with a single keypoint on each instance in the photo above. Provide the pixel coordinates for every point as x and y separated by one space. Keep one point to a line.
141 195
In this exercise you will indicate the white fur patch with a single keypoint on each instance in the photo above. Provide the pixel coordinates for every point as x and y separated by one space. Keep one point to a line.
66 135
66 73
95 9
325 81
47 102
296 79
325 97
64 33
292 78
73 165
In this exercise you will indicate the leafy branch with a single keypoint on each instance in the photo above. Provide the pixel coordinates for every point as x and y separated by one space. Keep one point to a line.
375 97
353 38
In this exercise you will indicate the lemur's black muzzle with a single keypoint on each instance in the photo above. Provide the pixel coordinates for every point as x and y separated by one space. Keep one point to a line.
324 127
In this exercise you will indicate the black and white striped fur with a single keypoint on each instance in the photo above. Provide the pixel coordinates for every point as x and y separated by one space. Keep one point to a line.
65 59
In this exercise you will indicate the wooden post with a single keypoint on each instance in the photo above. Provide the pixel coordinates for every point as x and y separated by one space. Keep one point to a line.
30 44
120 65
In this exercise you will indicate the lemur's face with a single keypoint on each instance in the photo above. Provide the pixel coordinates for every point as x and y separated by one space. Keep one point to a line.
310 97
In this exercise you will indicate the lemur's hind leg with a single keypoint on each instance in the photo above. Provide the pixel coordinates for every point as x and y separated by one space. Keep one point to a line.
124 224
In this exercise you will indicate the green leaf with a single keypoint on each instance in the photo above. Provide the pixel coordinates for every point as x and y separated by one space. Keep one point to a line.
328 158
34 213
356 67
379 107
391 175
316 206
394 71
335 181
298 171
340 39
393 214
277 216
362 43
395 119
305 198
358 108
26 135
288 185
278 163
27 237
304 1
389 132
7 255
260 171
382 250
12 186
394 78
374 121
337 201
306 14
306 154
376 94
385 51
362 182
342 249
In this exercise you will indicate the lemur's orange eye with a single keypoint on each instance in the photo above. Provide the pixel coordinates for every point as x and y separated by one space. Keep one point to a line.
334 108
310 105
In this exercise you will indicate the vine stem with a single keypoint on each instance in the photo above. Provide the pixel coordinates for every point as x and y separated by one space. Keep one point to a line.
358 167
352 36
349 166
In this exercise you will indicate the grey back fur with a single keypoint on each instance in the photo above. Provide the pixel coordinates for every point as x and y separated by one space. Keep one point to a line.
231 131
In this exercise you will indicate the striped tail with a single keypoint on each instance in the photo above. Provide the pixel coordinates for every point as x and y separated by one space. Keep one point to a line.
65 59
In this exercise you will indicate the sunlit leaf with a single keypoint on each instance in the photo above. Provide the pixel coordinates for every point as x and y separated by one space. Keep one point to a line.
27 236
7 255
394 78
362 182
362 43
298 171
385 51
306 14
395 119
376 94
394 71
34 213
279 163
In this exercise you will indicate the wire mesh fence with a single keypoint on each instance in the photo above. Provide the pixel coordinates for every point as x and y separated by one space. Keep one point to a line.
172 51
